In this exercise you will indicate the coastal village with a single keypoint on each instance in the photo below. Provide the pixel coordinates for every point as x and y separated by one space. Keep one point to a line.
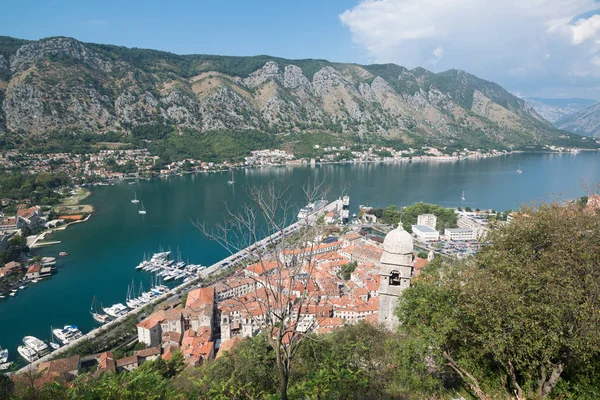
135 163
343 276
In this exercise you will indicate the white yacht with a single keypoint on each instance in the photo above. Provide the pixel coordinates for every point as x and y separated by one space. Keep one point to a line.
135 199
67 334
3 355
116 310
35 344
143 210
27 353
311 208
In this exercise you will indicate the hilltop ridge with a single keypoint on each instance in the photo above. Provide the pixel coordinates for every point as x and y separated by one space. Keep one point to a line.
62 84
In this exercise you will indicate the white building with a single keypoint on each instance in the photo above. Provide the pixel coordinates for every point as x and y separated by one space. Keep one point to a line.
429 220
396 270
425 233
460 233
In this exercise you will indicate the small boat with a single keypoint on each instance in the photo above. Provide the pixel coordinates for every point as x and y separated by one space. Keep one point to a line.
101 318
135 199
28 354
55 346
519 170
13 294
232 180
23 287
36 280
98 316
35 344
63 254
463 196
116 310
5 366
3 355
143 210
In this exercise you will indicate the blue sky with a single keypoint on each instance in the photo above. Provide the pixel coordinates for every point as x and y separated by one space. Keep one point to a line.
548 48
302 29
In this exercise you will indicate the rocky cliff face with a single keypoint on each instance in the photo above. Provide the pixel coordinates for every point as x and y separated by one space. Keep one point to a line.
584 122
555 110
63 84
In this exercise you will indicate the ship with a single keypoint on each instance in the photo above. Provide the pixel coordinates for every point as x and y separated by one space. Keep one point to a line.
68 334
3 355
27 353
311 208
116 310
36 345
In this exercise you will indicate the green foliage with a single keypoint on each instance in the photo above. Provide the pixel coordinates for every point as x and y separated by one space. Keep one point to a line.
151 131
247 372
212 146
347 269
140 384
6 387
60 142
40 188
519 316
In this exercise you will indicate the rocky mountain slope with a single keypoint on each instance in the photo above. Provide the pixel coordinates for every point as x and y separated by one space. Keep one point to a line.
585 122
62 84
554 110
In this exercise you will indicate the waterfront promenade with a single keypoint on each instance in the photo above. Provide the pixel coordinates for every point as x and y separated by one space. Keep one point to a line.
205 273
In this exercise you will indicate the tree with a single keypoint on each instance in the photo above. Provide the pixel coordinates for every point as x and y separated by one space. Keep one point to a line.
6 387
511 320
446 217
284 272
391 215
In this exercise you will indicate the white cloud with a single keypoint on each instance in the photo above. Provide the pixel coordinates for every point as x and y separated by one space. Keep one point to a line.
509 41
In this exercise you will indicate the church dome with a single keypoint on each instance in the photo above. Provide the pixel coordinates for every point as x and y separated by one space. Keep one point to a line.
398 241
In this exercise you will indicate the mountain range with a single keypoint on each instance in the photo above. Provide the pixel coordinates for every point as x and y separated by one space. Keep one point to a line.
62 84
581 116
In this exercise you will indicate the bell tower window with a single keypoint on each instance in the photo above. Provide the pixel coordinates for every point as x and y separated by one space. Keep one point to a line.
395 278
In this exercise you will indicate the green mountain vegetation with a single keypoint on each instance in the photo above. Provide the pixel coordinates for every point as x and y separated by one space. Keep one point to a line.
62 85
519 320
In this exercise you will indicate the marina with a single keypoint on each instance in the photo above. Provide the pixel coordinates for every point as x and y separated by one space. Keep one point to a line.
103 253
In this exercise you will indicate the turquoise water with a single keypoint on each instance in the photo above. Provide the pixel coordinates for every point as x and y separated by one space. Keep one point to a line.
104 251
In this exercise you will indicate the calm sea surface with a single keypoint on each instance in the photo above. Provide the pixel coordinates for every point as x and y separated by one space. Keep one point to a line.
104 251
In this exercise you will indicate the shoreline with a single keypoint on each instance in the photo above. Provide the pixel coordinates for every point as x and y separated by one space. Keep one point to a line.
306 163
35 244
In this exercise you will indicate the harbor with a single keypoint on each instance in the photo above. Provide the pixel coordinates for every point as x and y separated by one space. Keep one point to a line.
36 351
104 252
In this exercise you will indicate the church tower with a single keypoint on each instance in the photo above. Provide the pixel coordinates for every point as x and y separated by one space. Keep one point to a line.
396 269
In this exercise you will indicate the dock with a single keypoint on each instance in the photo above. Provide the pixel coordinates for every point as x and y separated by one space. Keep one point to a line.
202 275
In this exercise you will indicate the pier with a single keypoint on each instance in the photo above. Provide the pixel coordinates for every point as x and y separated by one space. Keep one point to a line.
202 275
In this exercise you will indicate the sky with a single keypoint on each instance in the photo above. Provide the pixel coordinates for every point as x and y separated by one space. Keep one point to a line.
544 48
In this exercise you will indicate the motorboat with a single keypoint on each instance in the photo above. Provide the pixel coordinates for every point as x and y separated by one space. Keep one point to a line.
116 310
3 355
35 344
28 354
